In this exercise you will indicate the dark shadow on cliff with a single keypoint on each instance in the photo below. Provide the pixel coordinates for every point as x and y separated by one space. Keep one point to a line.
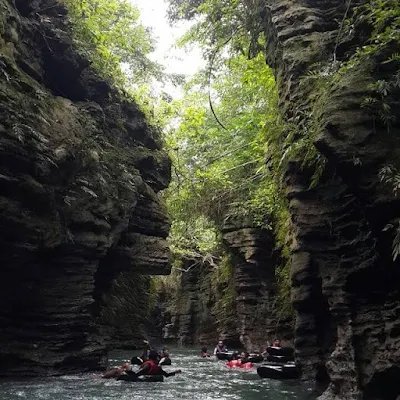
384 385
23 7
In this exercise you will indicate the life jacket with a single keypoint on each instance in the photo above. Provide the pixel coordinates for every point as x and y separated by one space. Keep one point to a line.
239 364
234 363
221 349
154 368
247 365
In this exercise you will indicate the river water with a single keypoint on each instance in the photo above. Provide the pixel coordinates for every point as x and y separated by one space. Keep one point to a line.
201 379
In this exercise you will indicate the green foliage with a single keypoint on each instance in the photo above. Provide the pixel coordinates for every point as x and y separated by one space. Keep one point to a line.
183 9
324 82
390 176
220 169
221 172
381 53
109 34
219 22
193 237
382 19
396 242
394 227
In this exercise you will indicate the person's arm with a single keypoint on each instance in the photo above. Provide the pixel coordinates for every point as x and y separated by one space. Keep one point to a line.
147 347
111 373
143 370
215 350
161 361
167 374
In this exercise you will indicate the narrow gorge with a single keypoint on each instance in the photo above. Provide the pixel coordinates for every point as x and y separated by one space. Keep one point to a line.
234 297
263 203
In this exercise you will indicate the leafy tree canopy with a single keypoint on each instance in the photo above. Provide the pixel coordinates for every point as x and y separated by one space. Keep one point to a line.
109 33
219 22
220 172
222 131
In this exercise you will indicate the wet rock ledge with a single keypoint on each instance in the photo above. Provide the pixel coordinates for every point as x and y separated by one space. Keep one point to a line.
79 174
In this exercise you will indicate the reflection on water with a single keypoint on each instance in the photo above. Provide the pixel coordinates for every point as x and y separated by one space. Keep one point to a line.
200 380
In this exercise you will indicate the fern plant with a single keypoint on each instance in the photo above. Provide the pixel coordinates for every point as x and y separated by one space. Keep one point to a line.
390 175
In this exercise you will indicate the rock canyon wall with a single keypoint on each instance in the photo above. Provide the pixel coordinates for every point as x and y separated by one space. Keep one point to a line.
345 284
254 260
80 216
236 298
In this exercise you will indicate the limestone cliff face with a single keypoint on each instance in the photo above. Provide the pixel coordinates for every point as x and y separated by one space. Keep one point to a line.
235 300
254 259
345 285
202 310
79 174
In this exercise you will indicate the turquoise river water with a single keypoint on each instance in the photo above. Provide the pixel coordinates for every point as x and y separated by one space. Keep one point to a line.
200 380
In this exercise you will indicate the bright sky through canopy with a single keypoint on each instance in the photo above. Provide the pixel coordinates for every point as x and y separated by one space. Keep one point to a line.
178 61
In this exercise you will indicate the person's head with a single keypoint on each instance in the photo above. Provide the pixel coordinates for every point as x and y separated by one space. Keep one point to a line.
204 349
277 343
165 350
153 355
220 343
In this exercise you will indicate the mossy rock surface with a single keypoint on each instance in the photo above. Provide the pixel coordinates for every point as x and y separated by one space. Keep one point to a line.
81 217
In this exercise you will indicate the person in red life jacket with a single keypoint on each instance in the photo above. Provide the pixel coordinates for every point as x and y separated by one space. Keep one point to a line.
244 357
151 367
220 348
244 360
233 363
276 343
204 353
144 356
241 362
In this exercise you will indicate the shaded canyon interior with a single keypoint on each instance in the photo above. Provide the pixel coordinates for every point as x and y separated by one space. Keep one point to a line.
82 221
